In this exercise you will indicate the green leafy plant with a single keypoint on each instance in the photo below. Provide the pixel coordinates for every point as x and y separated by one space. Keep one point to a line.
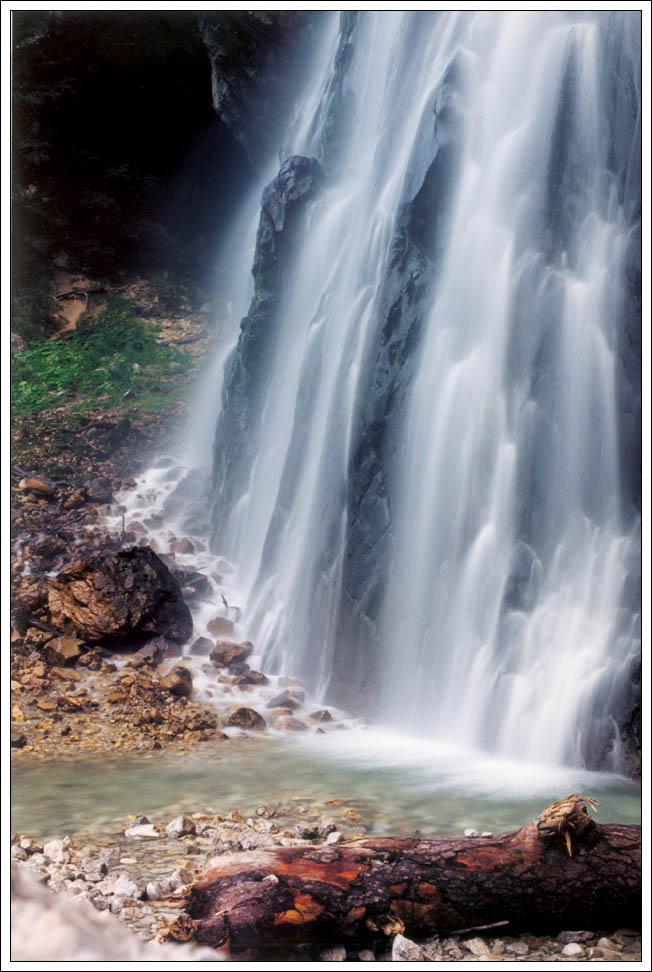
108 355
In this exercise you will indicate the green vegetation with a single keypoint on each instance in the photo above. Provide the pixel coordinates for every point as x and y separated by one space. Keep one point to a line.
108 356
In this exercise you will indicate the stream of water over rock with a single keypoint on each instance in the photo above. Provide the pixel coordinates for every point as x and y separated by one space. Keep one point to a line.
427 458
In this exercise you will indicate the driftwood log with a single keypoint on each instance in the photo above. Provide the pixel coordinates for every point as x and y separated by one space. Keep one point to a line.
561 870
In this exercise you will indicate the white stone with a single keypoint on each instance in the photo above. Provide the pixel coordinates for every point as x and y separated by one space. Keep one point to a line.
180 826
153 890
404 950
142 830
130 889
477 946
334 838
366 955
56 851
573 949
470 832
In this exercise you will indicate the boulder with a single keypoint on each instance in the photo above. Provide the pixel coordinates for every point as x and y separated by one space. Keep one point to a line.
113 596
225 654
245 718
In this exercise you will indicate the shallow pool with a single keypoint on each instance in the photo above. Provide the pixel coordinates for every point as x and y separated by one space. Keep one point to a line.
397 784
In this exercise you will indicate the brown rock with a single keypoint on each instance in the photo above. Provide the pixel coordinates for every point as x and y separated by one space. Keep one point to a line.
17 714
252 678
64 651
68 676
114 596
321 715
228 653
178 681
35 638
244 718
182 545
91 660
221 626
37 486
294 725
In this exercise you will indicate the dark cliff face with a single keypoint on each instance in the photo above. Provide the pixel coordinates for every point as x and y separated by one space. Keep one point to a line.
256 60
119 159
384 388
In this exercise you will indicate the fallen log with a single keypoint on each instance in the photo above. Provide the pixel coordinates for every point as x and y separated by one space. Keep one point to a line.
560 870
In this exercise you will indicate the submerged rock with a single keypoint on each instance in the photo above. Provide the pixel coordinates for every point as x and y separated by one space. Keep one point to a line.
289 699
220 626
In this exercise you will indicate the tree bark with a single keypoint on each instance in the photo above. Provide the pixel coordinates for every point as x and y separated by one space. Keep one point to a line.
562 869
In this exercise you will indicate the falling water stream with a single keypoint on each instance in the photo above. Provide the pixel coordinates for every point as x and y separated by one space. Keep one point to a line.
435 528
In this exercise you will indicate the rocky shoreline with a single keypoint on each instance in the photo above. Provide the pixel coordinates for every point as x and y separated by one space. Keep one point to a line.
139 872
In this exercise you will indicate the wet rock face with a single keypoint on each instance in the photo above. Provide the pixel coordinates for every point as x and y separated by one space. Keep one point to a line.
388 372
283 205
252 56
130 594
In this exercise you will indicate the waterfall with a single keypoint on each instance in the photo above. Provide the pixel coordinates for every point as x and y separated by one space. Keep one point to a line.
427 459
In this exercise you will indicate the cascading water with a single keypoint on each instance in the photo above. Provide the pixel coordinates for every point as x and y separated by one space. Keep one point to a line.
425 463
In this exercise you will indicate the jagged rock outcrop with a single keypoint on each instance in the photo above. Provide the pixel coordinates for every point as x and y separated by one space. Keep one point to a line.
254 58
283 205
125 596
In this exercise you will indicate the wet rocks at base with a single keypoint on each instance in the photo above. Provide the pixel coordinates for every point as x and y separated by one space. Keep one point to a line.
137 868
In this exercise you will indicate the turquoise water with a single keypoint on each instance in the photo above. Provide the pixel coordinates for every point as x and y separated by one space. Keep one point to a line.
397 784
